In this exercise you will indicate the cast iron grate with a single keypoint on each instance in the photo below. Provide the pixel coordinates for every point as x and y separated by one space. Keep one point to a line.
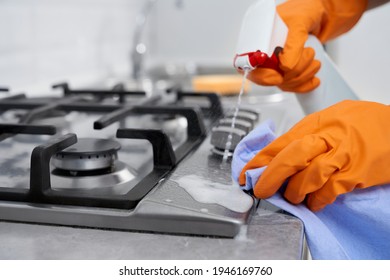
165 158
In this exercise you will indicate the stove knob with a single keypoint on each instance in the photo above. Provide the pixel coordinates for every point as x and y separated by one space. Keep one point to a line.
220 135
256 114
240 124
246 115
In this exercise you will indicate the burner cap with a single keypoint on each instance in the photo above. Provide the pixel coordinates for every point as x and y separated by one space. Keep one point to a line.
87 154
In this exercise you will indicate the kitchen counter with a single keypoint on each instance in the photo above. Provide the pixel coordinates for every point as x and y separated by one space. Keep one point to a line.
271 235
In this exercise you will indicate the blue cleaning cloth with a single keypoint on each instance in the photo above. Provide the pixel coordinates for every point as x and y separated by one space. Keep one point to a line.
355 226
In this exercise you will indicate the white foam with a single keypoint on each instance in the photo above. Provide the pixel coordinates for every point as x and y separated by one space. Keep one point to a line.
227 195
243 234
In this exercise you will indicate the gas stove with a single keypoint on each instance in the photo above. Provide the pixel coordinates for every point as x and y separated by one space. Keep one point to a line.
117 159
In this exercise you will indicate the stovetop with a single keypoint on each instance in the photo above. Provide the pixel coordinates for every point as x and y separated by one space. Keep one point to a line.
188 199
157 173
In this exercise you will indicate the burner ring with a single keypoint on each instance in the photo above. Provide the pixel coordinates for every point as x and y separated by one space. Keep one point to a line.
87 154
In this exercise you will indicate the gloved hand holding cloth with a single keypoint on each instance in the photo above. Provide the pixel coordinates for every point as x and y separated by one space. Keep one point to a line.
325 19
335 160
326 154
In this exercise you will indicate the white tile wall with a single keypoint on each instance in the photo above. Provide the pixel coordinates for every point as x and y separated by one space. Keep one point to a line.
45 41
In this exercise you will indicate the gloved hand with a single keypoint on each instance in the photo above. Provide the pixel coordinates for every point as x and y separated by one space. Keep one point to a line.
328 153
326 19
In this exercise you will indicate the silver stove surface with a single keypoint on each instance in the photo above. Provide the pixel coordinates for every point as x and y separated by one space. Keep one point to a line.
197 198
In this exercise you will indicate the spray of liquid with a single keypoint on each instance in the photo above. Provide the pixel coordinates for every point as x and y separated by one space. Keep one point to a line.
236 110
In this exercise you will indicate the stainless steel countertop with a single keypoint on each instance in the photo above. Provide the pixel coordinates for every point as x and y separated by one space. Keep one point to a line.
270 235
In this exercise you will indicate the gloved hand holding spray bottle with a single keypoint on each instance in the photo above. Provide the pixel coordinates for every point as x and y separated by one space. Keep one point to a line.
263 36
331 151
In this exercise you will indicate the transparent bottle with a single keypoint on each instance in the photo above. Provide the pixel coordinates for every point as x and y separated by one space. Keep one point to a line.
263 32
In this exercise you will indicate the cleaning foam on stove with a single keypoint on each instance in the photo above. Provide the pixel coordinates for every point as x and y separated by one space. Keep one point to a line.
355 226
206 191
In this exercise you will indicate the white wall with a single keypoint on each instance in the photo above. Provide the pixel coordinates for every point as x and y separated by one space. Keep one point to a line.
203 31
363 55
81 41
45 41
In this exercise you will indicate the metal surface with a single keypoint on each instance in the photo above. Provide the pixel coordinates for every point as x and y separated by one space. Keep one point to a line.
87 154
197 203
244 115
240 124
220 137
271 236
173 206
113 181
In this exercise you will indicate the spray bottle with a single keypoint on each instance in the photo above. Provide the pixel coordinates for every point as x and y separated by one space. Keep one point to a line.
262 36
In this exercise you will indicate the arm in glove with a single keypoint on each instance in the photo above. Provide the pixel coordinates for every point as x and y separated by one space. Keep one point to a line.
328 153
326 19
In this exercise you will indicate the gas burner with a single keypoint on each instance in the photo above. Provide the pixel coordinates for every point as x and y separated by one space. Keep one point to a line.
113 181
88 182
88 154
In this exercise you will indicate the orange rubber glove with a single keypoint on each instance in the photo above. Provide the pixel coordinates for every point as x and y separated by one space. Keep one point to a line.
328 153
326 19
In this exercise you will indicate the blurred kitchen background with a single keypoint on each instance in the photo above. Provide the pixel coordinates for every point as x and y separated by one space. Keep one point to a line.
94 41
